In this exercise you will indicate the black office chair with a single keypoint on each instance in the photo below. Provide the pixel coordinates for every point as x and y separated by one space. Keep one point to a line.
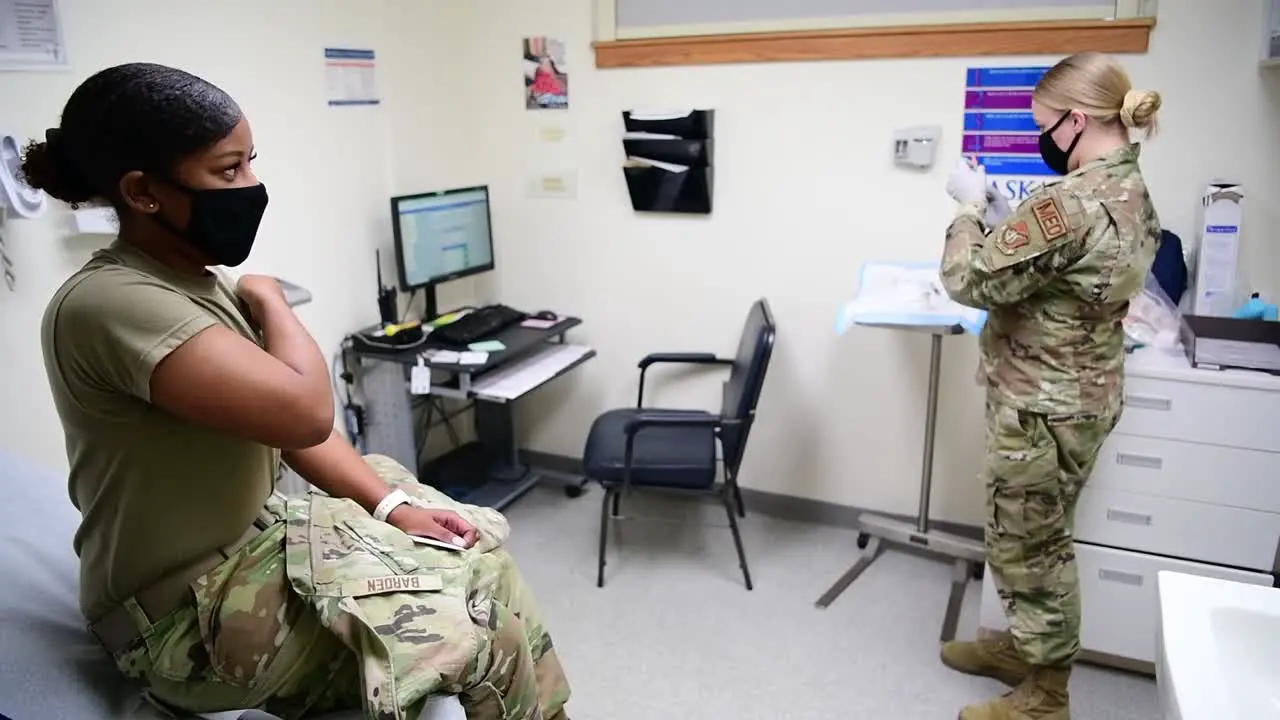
675 450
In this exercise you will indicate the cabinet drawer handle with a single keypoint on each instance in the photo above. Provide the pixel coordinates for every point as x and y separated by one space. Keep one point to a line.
1151 462
1125 578
1131 518
1148 402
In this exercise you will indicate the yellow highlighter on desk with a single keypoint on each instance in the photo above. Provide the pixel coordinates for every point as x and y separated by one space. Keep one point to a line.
393 329
447 318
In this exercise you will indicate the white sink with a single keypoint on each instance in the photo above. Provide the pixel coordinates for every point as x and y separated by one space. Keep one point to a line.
1219 649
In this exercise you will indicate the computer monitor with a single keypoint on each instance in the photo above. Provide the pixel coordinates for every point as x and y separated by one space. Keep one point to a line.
441 236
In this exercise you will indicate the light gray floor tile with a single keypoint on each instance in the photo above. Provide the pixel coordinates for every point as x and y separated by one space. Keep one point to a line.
675 634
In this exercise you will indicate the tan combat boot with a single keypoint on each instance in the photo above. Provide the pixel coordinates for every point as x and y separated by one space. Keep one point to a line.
1042 696
995 657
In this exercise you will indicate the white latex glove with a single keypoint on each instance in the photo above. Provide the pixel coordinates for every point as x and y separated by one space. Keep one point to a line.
997 208
968 184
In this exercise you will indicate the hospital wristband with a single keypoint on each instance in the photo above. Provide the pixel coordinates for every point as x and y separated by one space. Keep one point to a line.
393 500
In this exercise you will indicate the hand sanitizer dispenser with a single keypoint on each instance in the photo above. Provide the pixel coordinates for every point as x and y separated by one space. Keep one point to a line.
916 147
17 199
21 200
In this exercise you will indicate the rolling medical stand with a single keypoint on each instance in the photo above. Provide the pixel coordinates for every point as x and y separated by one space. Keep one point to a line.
875 530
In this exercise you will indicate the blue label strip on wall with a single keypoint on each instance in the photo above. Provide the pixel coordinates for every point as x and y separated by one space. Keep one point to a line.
1014 165
1000 122
1004 77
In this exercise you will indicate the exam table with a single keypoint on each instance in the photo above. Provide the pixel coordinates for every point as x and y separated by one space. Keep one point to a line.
50 666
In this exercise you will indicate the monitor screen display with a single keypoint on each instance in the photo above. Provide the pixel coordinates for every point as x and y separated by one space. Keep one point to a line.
441 236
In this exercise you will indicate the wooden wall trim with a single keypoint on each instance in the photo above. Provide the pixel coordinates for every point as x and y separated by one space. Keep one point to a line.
1051 37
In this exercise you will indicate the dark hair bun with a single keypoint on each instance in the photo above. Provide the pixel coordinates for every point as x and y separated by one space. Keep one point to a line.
45 168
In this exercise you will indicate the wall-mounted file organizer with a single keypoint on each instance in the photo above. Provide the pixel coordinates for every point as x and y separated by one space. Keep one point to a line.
669 160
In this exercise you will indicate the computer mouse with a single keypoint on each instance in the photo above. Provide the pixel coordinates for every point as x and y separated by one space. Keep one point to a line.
545 315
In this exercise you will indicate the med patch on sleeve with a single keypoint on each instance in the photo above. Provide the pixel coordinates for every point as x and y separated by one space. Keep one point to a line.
1048 213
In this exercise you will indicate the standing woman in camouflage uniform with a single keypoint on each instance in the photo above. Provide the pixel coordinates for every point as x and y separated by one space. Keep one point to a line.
1056 276
181 391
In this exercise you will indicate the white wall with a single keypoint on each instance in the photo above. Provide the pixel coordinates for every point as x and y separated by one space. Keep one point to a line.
432 116
327 169
804 194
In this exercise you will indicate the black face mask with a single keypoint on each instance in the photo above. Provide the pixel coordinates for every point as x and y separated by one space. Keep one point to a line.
1055 157
224 221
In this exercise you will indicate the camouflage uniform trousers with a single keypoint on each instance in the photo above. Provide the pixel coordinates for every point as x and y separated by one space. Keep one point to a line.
330 609
1035 468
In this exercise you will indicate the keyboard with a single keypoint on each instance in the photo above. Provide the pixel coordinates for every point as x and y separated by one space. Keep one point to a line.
478 324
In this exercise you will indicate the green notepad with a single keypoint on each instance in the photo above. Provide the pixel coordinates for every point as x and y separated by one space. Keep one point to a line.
487 346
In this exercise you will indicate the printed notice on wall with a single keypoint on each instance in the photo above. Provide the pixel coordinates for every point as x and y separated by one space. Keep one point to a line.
31 35
351 76
999 132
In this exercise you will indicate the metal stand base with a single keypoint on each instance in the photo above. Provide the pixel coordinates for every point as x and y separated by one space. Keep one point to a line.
876 530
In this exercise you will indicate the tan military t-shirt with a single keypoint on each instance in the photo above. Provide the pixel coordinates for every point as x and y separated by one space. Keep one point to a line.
157 493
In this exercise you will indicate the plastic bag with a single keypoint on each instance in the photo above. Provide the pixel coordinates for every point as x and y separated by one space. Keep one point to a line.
1153 320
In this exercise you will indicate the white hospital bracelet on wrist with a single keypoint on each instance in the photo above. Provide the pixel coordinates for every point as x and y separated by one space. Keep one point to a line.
393 500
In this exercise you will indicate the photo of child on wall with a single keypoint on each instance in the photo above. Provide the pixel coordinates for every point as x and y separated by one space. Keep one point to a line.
546 76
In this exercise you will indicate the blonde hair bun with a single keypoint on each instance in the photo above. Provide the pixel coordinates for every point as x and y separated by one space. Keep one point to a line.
1139 109
1098 86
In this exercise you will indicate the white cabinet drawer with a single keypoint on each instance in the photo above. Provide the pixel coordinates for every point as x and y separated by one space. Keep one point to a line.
1118 599
1204 473
1179 528
1199 412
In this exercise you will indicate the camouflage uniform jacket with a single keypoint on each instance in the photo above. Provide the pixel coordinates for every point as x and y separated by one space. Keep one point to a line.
1056 279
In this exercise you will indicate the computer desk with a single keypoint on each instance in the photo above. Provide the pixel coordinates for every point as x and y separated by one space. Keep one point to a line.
488 471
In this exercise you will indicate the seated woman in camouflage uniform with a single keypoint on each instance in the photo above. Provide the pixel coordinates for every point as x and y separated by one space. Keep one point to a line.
180 393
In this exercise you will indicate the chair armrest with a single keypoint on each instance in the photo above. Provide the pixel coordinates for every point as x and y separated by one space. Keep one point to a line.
682 358
659 418
675 358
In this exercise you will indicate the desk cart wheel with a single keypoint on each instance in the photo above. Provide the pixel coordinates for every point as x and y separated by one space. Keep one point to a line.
863 539
977 570
574 491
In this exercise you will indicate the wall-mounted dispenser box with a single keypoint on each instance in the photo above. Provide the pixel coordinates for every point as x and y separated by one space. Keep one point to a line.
669 165
916 147
97 220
